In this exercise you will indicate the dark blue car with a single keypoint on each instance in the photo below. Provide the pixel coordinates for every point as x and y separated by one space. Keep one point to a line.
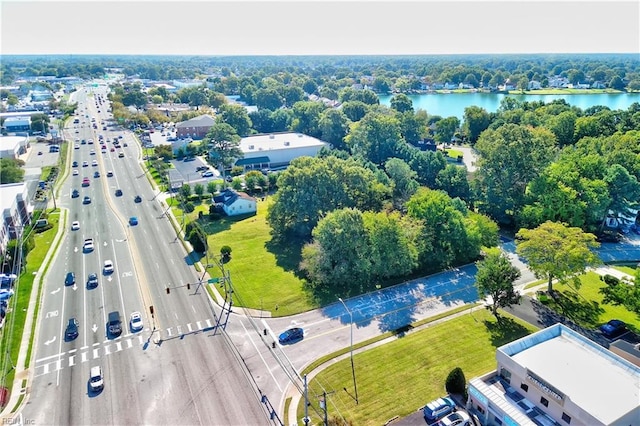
613 328
292 335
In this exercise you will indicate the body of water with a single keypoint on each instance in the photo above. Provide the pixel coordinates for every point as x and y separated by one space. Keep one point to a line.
453 104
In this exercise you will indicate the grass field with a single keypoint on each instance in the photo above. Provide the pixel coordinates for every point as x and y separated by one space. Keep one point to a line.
585 306
262 273
454 153
626 269
400 377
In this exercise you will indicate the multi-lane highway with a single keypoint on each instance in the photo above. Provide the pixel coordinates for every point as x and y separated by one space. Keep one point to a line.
178 369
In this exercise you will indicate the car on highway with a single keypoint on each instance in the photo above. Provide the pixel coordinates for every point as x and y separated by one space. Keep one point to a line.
75 225
70 279
86 200
88 245
75 193
136 322
72 330
85 164
74 164
137 199
108 267
92 152
92 280
121 154
109 173
96 380
85 181
96 174
613 328
94 163
459 418
437 409
118 192
75 172
112 149
76 146
114 324
208 173
291 335
133 221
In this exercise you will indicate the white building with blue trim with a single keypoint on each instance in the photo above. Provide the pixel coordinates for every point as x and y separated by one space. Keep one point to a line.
557 376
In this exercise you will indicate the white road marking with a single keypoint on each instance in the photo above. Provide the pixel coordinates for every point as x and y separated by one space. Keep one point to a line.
95 353
179 329
189 327
72 361
83 355
118 346
199 324
129 343
106 350
169 331
209 324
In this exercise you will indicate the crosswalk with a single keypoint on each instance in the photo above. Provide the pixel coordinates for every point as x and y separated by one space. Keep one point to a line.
73 357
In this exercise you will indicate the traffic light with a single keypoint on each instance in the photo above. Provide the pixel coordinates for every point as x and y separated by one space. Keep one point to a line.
168 290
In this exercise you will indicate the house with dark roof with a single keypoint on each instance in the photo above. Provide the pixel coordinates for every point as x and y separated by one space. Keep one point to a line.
235 202
196 128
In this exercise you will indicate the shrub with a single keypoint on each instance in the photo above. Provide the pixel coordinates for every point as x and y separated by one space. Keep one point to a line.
189 207
456 383
610 280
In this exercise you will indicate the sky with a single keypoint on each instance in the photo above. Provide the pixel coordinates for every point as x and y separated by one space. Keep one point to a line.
307 27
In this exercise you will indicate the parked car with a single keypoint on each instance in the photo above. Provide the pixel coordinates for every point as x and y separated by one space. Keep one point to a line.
72 330
437 409
459 418
208 173
202 168
613 328
291 335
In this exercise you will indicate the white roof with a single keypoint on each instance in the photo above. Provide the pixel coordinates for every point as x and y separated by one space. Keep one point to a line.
600 382
273 141
9 143
8 194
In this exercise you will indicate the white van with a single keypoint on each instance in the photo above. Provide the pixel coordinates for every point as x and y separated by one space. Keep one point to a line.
96 381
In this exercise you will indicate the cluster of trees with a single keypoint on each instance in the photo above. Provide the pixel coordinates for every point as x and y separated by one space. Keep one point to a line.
11 170
343 209
247 76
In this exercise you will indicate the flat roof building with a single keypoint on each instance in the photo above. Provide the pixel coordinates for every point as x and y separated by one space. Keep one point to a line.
277 149
556 376
13 146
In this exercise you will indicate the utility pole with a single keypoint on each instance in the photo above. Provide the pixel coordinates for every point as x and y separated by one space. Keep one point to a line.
323 405
306 402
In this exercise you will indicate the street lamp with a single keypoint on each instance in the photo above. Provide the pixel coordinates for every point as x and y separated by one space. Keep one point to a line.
353 370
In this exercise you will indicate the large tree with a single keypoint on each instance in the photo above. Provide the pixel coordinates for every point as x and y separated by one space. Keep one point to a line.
476 120
556 251
225 145
306 118
237 117
510 158
334 126
376 137
495 278
11 170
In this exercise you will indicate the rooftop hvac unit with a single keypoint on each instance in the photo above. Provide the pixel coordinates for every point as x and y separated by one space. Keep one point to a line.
259 148
251 146
271 136
299 135
287 143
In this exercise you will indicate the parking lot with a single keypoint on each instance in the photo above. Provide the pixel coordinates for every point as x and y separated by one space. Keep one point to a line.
191 176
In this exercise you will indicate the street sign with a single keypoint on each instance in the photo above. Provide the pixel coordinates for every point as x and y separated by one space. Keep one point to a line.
213 280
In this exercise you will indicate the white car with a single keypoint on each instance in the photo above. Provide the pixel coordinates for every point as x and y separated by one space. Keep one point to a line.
94 163
75 226
76 146
208 173
88 245
136 322
108 267
458 418
109 173
75 172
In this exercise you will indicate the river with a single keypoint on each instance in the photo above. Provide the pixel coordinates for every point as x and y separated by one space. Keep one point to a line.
453 104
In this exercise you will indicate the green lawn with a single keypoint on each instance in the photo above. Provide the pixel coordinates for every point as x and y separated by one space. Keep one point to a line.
11 338
400 377
586 308
626 269
262 273
454 153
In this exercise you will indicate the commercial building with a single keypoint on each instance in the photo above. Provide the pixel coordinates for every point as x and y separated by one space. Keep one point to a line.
13 146
195 128
556 376
277 149
16 211
17 124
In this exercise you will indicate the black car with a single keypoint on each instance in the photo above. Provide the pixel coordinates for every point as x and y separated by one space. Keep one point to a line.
202 168
70 279
72 330
75 193
292 335
92 281
118 192
74 164
137 199
613 328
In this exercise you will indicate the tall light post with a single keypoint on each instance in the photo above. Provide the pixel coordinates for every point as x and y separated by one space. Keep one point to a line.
353 370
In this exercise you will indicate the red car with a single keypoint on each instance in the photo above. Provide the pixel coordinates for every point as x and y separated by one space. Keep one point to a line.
86 182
